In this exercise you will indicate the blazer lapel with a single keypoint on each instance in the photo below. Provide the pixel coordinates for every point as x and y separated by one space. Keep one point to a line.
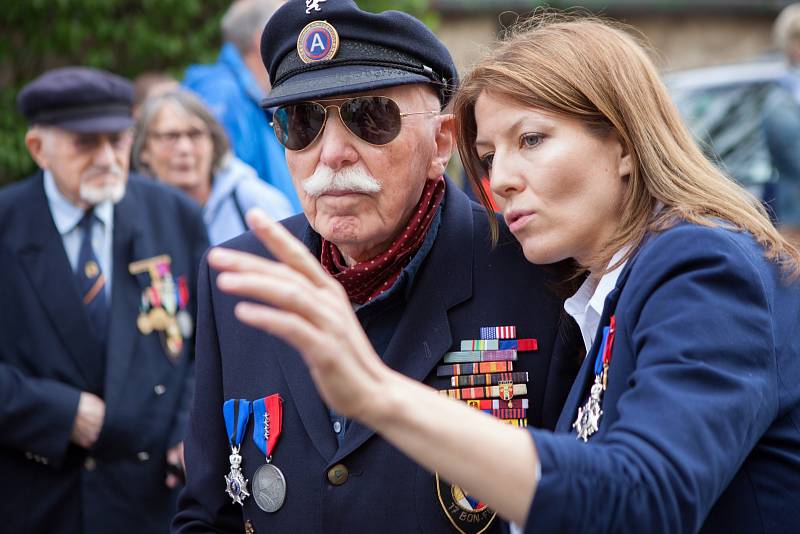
312 410
427 309
46 264
123 337
585 377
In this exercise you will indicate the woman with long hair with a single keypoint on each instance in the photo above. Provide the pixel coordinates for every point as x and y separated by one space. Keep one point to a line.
685 415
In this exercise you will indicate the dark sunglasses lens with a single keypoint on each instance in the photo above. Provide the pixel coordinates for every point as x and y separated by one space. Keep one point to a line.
298 125
375 119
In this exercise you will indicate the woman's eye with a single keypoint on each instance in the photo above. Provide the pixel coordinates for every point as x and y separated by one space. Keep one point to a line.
486 162
530 140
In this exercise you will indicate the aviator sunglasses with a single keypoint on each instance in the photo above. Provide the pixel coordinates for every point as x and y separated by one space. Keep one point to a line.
373 119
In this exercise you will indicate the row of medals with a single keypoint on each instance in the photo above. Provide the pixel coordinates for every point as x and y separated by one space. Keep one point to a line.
165 318
479 393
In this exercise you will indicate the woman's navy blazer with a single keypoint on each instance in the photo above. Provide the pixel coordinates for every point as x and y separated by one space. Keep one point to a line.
701 422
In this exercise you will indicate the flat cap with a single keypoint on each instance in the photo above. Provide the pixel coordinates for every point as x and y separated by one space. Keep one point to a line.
321 48
78 99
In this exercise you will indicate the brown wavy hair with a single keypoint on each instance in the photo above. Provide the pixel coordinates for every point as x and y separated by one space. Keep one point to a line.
593 71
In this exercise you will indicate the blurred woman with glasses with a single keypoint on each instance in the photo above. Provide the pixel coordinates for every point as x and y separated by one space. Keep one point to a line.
178 141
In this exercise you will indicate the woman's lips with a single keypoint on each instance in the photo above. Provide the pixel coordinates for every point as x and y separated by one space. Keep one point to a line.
517 219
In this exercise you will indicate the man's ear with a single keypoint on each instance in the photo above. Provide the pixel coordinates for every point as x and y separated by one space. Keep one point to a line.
34 141
445 141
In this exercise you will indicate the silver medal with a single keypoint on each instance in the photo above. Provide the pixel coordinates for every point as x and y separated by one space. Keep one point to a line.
235 483
588 420
185 324
269 488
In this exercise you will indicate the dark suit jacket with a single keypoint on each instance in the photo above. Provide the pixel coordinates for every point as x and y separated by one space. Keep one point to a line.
48 355
462 285
701 422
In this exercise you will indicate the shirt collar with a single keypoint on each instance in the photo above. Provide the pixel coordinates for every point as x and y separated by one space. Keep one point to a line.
67 215
586 305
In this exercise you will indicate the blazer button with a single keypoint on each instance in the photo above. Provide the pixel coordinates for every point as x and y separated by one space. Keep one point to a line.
143 456
337 475
160 389
90 464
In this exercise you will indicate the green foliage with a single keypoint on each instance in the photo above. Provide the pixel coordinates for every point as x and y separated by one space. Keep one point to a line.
127 37
124 36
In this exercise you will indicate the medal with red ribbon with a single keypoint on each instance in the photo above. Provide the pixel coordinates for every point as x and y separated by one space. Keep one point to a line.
269 484
588 420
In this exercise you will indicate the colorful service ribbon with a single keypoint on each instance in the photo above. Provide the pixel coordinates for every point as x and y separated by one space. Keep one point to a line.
268 414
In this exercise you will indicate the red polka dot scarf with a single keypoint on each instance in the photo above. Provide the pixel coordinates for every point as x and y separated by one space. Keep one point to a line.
366 280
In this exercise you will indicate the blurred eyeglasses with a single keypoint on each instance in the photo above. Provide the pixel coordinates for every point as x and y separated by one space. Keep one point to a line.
171 137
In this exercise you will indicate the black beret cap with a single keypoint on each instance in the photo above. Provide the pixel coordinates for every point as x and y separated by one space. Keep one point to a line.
78 99
351 51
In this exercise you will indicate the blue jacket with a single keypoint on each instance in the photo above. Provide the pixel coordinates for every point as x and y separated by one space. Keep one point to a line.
462 285
701 422
233 95
48 355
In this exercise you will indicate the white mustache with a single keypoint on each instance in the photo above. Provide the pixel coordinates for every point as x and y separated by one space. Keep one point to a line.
351 179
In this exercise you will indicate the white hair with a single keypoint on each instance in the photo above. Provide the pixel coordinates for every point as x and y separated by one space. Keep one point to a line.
244 18
787 23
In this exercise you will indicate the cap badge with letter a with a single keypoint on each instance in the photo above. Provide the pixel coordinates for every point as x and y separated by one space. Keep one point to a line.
318 41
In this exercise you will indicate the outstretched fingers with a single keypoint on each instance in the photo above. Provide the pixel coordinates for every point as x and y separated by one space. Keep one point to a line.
287 248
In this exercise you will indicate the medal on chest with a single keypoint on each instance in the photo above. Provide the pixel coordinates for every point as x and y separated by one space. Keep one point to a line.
236 413
163 306
588 420
269 484
482 374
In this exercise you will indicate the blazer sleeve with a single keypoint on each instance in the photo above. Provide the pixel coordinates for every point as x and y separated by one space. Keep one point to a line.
702 392
203 505
36 414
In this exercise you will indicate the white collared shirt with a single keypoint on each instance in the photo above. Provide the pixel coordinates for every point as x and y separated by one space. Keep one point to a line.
66 217
586 305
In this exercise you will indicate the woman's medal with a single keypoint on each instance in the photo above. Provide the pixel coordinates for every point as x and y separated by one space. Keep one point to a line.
236 413
269 485
588 420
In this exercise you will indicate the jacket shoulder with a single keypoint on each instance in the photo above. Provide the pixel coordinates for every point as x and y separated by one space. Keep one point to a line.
688 241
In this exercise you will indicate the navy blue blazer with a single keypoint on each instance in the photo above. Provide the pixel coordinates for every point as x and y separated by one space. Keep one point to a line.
48 355
701 422
462 285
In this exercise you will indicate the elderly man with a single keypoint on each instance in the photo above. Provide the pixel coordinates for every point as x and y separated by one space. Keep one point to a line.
233 88
98 272
359 98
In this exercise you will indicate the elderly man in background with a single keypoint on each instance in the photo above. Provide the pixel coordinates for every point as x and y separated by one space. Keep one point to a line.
98 275
234 86
359 98
781 122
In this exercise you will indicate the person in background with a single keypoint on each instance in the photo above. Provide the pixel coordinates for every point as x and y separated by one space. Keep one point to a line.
781 124
233 88
150 84
179 142
685 415
97 275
